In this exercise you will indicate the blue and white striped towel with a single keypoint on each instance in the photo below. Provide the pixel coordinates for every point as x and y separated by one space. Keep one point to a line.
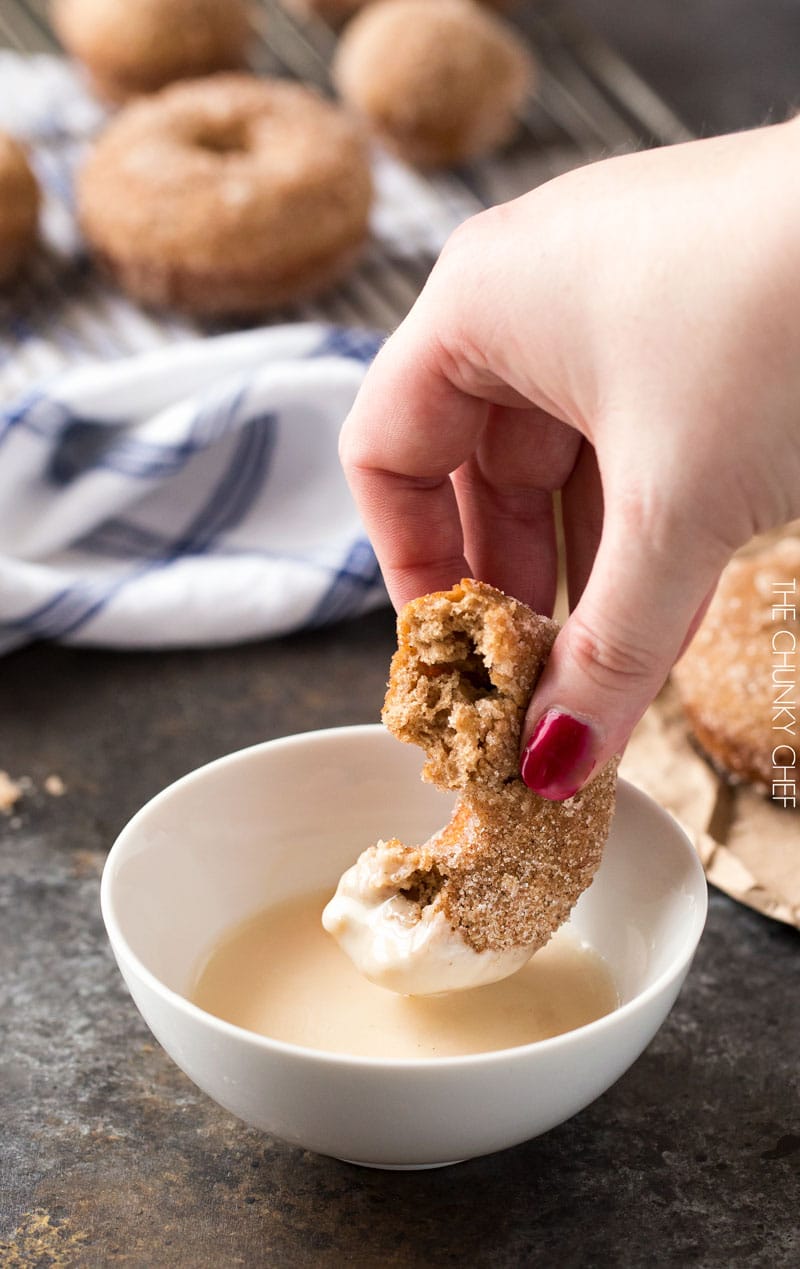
188 496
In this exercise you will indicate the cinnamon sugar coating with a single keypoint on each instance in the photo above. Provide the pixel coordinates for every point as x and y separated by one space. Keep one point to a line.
510 864
440 83
226 195
19 208
128 47
737 691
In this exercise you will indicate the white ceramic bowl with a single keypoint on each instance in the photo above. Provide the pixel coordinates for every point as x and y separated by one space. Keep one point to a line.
285 817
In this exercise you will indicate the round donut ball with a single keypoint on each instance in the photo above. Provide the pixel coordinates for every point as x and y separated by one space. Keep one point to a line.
129 47
226 195
737 679
19 208
440 83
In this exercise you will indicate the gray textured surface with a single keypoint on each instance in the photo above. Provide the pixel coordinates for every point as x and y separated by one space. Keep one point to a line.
108 1155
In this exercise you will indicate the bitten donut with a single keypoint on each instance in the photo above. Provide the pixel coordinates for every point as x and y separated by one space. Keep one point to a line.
438 83
19 208
226 195
737 681
474 902
129 47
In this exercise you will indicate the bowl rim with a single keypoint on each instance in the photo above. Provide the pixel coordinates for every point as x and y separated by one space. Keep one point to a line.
123 951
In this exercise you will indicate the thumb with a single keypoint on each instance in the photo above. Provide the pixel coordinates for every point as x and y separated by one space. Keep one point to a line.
643 599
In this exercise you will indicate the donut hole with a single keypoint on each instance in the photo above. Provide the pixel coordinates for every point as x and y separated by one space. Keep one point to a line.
228 138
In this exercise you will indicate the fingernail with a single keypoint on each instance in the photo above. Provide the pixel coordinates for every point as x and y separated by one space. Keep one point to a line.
558 757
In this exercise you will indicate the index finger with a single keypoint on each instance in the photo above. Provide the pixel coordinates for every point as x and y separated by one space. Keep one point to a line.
409 428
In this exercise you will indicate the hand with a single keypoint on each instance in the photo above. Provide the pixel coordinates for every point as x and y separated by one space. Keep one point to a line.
628 334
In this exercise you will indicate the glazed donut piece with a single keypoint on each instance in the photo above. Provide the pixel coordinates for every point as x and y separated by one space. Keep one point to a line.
731 680
507 869
19 208
439 83
226 195
466 666
129 47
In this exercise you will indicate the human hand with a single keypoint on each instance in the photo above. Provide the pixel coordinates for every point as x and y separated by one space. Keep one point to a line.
628 334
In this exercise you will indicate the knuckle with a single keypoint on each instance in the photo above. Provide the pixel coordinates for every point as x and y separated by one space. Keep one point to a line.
350 448
612 659
464 236
468 257
675 519
459 362
647 515
684 534
457 241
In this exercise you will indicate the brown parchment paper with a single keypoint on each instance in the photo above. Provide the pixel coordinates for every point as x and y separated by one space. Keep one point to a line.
748 845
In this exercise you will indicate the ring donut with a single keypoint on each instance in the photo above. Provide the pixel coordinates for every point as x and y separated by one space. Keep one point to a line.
226 195
493 885
737 679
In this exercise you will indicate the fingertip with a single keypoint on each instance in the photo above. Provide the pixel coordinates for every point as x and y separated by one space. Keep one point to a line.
405 584
560 755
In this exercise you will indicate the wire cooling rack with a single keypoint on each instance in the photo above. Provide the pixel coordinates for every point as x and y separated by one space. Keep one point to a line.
588 104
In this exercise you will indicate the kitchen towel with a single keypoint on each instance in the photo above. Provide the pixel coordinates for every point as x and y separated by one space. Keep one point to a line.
191 495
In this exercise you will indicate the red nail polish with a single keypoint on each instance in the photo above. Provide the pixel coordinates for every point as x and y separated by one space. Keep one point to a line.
558 757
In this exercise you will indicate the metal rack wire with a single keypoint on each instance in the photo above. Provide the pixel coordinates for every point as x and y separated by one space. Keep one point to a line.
589 103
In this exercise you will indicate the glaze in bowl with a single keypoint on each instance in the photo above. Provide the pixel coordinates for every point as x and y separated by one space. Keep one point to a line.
286 817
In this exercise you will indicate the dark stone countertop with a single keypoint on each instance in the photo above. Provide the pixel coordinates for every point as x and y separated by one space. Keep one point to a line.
109 1155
